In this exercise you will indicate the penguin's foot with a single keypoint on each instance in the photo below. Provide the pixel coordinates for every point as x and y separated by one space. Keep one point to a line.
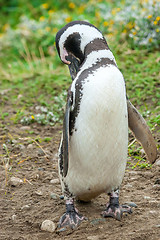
71 218
116 211
113 209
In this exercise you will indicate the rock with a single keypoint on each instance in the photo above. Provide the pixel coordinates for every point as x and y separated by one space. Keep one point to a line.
15 181
25 207
54 196
14 217
158 162
61 197
157 226
153 212
30 146
93 237
14 141
129 185
54 181
39 192
48 226
131 204
147 197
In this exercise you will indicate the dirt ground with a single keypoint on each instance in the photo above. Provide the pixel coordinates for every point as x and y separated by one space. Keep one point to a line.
23 208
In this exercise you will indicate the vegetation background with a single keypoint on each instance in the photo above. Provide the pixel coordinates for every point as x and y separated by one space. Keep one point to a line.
34 81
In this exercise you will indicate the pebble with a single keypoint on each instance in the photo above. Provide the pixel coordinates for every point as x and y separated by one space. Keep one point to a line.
153 212
54 196
157 226
39 192
61 197
131 204
15 181
93 237
25 207
48 226
147 197
158 162
54 181
14 141
129 186
14 217
30 146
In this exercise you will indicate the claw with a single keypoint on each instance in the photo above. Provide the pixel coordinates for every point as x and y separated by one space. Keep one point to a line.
71 217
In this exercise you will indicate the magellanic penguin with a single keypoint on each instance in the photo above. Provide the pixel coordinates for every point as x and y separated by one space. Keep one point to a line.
93 149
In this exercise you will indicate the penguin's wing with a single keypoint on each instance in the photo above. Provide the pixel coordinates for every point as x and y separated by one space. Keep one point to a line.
141 131
66 134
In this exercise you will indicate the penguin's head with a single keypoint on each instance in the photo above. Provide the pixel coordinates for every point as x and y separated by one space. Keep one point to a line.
72 40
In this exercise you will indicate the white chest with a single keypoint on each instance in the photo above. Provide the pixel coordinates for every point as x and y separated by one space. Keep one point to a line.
98 147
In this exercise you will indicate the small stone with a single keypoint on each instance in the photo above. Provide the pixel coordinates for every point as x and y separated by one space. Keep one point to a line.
131 204
147 197
158 162
48 226
93 237
39 192
30 146
54 181
54 196
25 207
14 141
15 181
153 212
129 186
61 197
14 217
41 169
157 226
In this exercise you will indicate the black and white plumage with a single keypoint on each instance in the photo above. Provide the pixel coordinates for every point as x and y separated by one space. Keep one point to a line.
93 149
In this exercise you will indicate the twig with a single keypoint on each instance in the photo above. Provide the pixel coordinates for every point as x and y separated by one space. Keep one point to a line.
132 143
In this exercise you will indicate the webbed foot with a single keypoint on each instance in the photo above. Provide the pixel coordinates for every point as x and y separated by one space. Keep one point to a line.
71 218
113 208
116 211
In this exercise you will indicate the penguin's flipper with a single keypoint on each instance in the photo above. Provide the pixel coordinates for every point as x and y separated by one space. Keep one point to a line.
141 131
66 134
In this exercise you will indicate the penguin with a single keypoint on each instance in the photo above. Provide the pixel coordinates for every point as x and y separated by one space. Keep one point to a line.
94 143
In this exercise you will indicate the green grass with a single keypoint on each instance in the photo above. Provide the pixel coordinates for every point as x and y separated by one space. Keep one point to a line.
31 74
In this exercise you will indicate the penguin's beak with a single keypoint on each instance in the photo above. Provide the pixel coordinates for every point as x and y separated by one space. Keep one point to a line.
73 66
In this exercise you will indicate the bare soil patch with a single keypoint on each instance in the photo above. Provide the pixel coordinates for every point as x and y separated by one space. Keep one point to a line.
23 208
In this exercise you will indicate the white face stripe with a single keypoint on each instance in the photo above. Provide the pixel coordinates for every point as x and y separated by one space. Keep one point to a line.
87 33
94 56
